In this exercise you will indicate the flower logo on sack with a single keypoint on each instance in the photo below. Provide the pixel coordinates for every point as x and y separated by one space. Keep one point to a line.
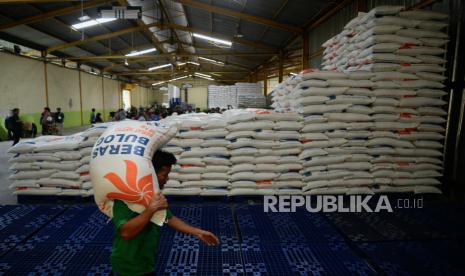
133 190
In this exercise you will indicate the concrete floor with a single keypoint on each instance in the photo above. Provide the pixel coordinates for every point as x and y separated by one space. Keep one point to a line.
6 195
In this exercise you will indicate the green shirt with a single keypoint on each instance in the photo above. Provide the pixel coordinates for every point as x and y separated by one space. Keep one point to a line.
138 255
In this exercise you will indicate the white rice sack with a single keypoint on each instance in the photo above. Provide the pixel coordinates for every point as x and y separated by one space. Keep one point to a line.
431 59
252 176
38 191
350 166
185 169
56 182
420 101
31 174
307 153
308 137
85 151
215 143
434 111
423 15
66 175
221 161
242 159
324 143
431 93
24 167
127 146
85 160
28 183
323 75
68 155
214 134
214 192
183 191
324 127
241 134
191 161
29 158
83 168
326 91
217 169
287 145
88 142
347 117
375 142
426 190
184 143
257 125
287 183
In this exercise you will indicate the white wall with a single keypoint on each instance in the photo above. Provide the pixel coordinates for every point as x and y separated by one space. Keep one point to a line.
22 84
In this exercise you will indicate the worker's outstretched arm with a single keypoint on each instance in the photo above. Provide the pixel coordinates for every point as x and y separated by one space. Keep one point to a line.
205 236
133 226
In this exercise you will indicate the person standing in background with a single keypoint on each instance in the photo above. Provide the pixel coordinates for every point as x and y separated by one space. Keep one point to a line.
59 120
17 126
92 116
46 120
9 125
98 118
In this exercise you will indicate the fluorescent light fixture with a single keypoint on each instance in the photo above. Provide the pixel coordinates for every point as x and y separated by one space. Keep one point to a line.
189 62
126 62
92 22
203 76
217 62
138 53
213 39
293 74
158 83
179 78
160 66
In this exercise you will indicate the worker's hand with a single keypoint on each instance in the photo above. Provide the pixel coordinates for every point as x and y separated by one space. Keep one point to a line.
207 237
158 203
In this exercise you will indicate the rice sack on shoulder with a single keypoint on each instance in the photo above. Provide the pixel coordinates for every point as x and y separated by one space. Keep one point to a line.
121 165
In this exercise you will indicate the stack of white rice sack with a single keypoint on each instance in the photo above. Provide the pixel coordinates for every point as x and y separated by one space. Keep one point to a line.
52 165
387 39
202 155
264 152
280 95
250 95
222 96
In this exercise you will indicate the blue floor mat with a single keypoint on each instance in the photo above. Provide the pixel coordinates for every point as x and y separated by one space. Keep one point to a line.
301 259
56 259
407 224
18 223
78 224
417 258
186 255
270 227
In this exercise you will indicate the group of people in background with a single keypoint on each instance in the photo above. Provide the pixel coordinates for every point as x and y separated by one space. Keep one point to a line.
52 122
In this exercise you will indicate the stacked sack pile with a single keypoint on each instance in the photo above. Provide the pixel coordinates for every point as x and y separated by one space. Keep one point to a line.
202 156
280 95
249 95
377 124
222 96
264 148
53 165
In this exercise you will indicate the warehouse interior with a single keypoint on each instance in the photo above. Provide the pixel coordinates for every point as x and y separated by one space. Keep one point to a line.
257 101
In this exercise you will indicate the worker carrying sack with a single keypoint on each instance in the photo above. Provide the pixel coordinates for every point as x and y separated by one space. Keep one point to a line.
121 165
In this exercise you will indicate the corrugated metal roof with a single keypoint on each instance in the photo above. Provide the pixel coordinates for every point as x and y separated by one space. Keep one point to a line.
57 31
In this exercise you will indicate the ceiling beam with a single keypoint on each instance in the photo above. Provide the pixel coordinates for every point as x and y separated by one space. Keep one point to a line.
243 16
32 1
178 72
51 14
159 25
163 56
149 35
